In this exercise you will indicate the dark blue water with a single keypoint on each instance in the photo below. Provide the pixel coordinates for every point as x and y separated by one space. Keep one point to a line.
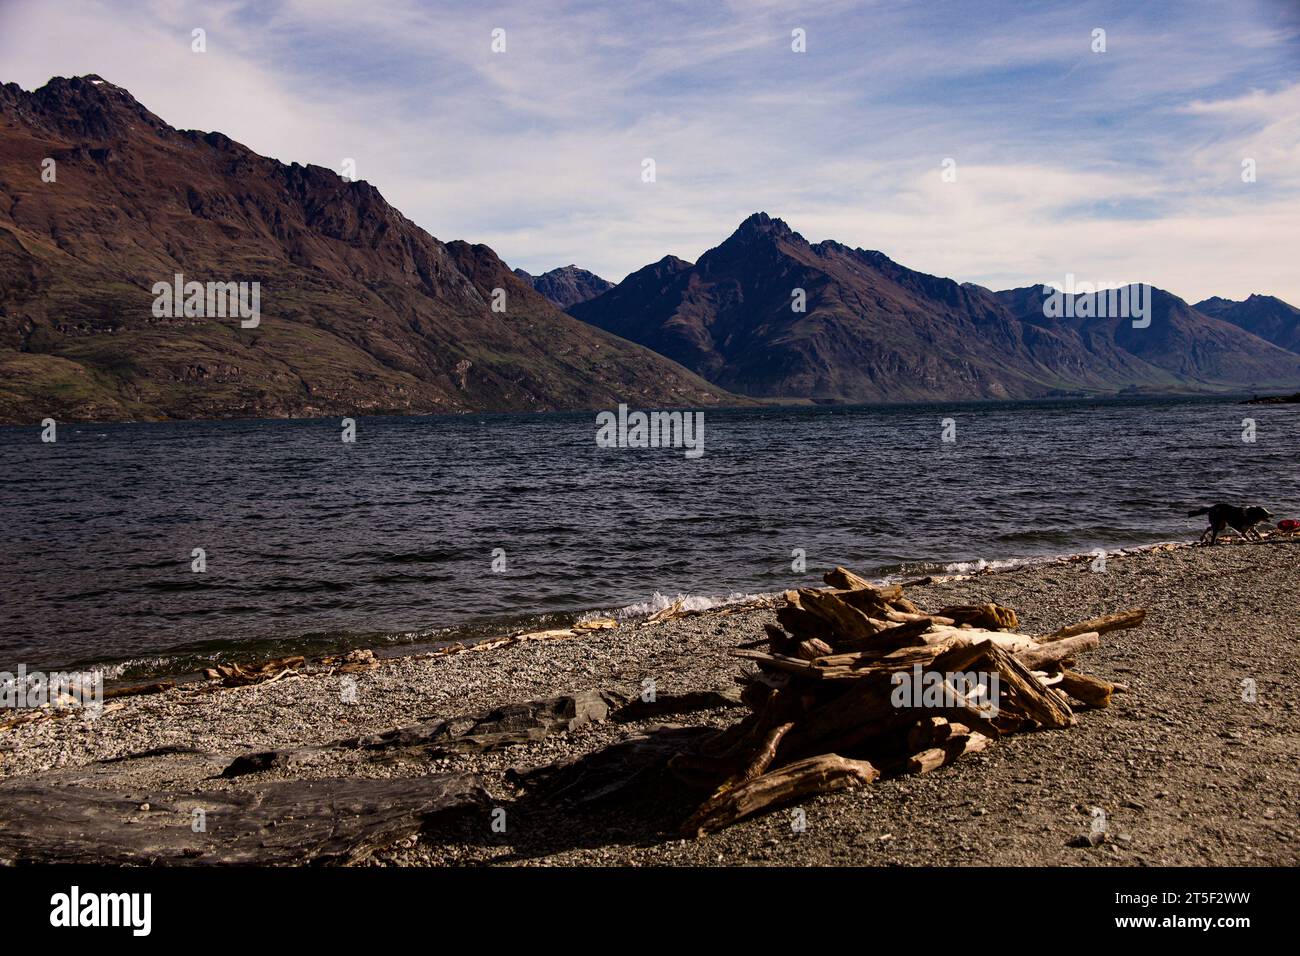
312 543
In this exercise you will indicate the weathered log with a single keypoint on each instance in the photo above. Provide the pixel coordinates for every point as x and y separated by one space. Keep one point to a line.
596 624
961 653
926 732
882 638
778 641
761 760
934 731
130 690
344 820
870 603
862 663
1111 622
990 616
926 760
845 580
846 583
663 705
812 649
842 620
779 662
675 609
906 617
1092 691
723 741
864 704
1039 658
797 619
960 744
795 781
1013 643
1024 695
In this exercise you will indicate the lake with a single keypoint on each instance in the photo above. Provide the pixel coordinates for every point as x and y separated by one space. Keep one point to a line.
443 527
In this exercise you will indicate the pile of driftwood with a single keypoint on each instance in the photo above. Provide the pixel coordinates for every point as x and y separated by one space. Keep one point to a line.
857 681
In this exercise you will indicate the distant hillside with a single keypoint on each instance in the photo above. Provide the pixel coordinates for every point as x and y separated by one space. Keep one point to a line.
567 285
1266 316
361 310
874 330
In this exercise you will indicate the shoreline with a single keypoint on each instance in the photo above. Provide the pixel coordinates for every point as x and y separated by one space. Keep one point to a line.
1188 773
482 632
1280 394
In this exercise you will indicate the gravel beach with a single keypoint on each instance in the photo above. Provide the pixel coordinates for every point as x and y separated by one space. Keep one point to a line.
1188 767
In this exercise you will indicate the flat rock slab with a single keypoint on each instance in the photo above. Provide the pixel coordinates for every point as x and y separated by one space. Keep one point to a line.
497 729
338 820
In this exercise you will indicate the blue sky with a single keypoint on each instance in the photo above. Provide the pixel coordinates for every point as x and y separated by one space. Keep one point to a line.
1116 166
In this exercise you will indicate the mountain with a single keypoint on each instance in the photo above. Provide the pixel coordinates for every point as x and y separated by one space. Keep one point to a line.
1266 316
360 309
567 285
874 330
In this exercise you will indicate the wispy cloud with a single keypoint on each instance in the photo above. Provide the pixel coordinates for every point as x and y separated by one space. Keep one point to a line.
1116 165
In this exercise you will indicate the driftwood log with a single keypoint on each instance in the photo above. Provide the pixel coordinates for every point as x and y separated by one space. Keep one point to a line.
340 820
856 681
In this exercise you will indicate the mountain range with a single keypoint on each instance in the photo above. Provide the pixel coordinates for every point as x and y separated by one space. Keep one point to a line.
1266 316
362 311
873 330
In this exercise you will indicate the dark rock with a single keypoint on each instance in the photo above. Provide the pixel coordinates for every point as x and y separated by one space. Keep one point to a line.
1088 840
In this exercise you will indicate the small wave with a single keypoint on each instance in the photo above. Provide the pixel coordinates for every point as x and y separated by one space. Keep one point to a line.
688 602
135 667
981 564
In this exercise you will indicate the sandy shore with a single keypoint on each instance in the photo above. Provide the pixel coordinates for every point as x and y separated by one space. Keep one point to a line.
1186 771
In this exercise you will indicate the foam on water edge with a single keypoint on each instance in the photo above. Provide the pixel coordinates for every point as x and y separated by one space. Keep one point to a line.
639 610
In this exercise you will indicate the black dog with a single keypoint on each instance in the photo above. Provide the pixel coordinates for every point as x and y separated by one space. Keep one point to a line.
1241 520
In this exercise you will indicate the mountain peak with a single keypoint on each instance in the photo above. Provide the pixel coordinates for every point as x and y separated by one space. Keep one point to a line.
86 106
762 224
91 86
567 286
